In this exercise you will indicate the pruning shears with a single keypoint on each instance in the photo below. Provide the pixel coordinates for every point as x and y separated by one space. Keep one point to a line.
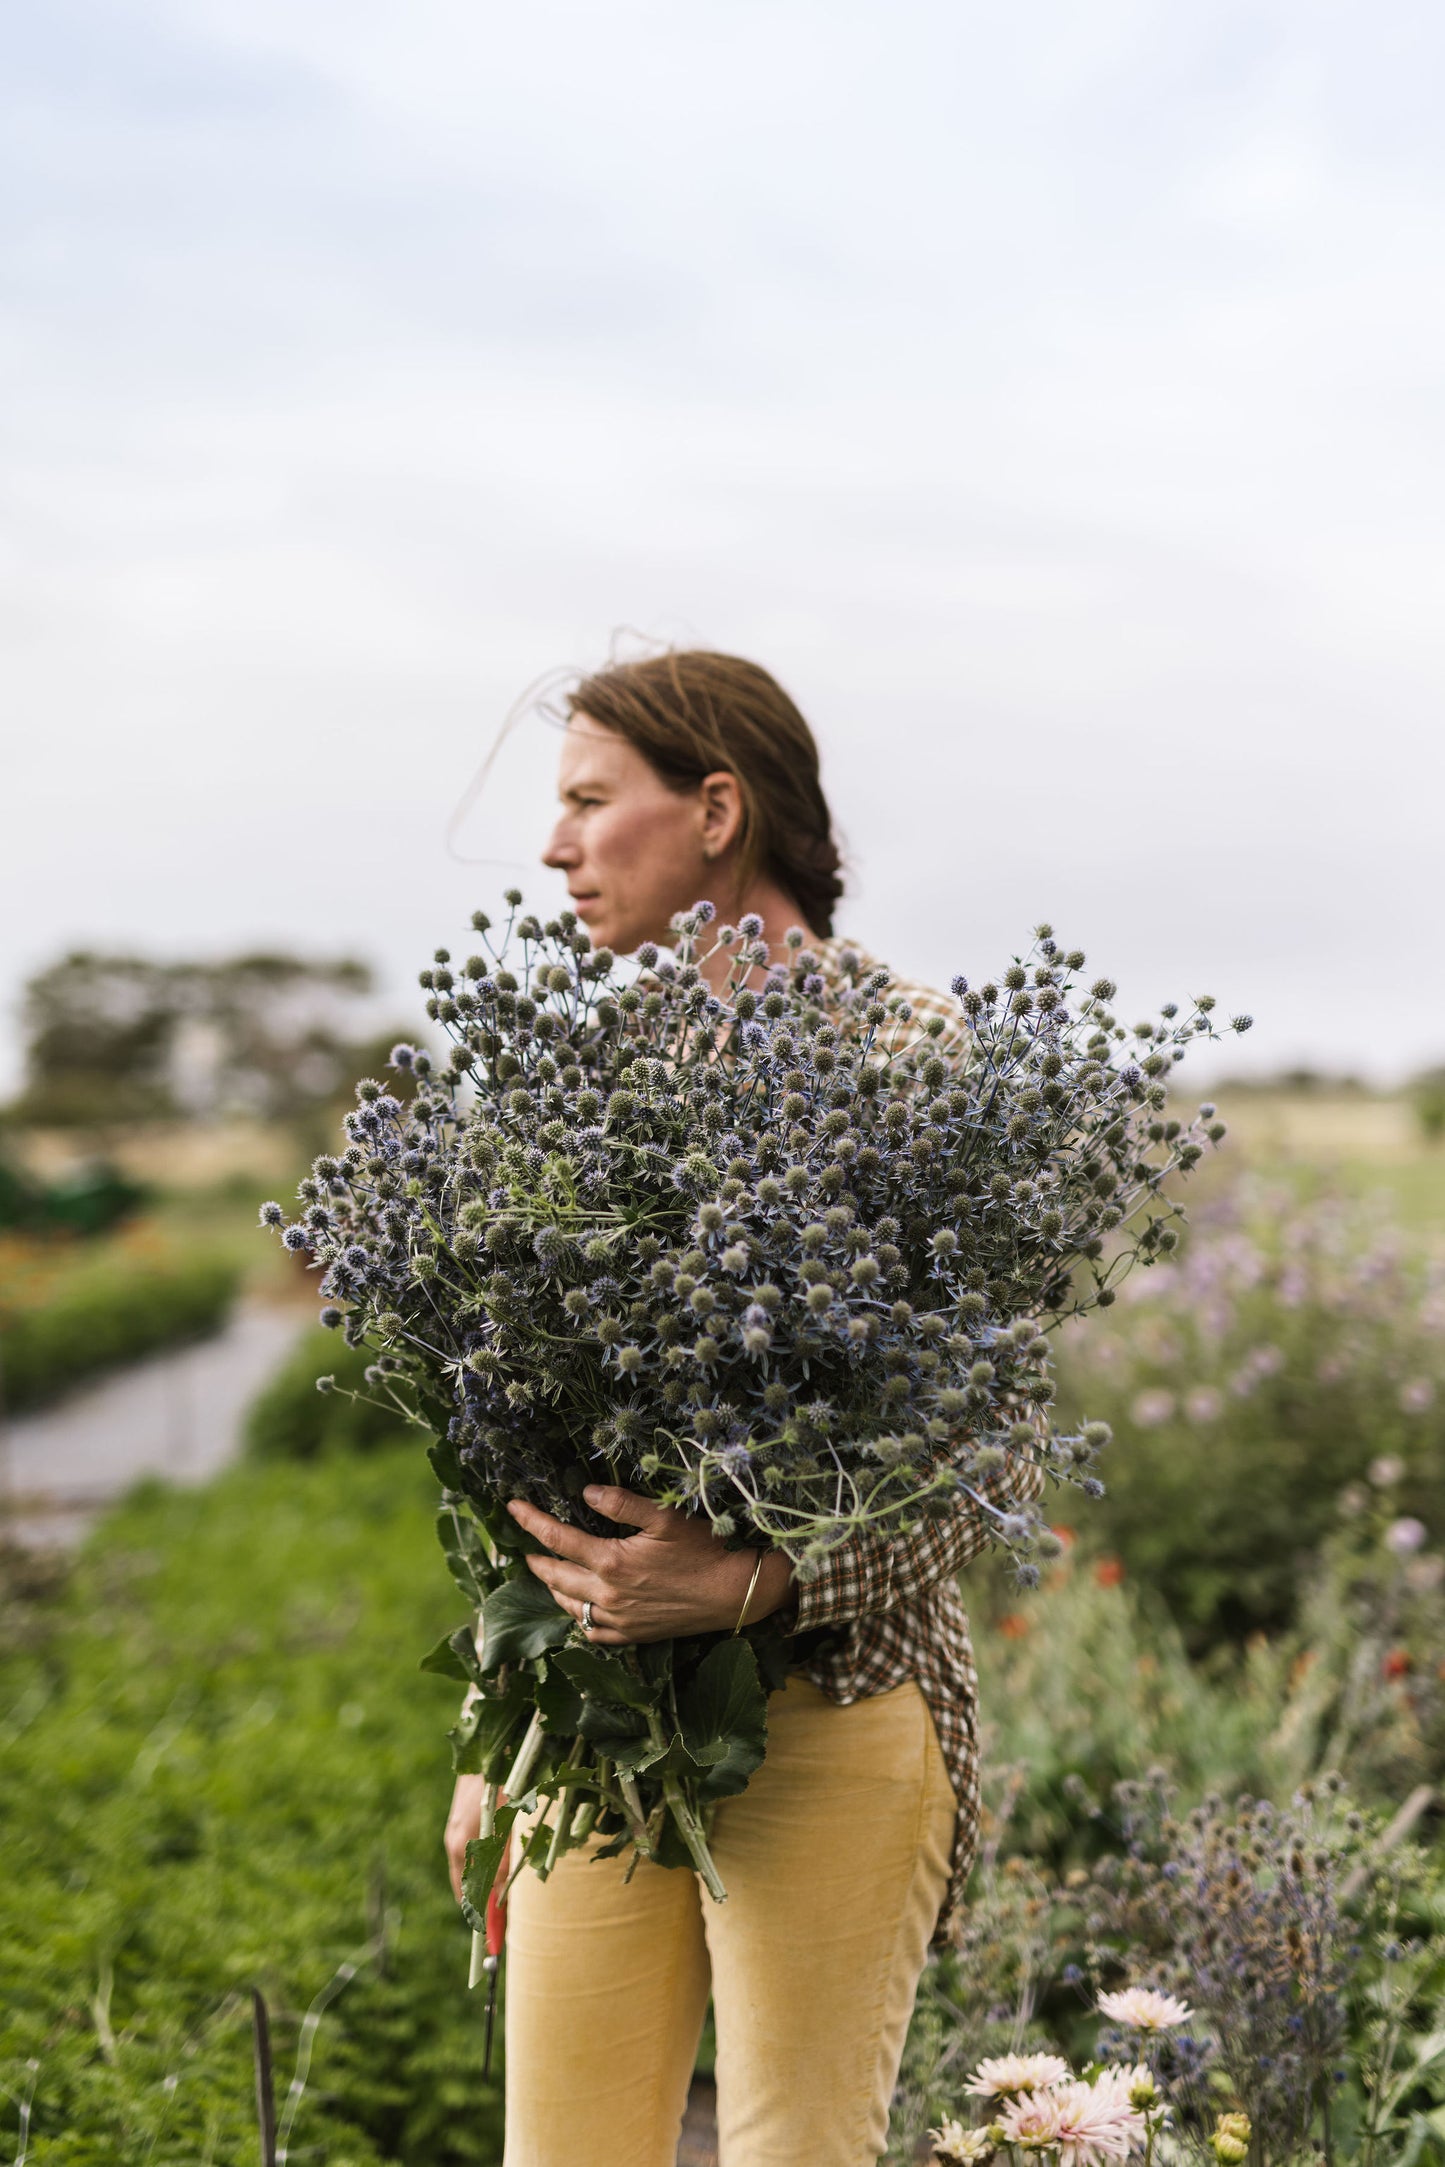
487 1951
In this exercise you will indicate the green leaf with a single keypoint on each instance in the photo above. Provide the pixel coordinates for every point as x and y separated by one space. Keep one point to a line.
655 1656
520 1620
484 1734
455 1657
559 1700
465 1553
610 1726
774 1652
445 1465
508 1535
636 1755
724 1717
437 1417
605 1678
484 1856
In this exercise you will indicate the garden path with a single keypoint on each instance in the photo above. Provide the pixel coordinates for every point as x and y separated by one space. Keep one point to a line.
178 1416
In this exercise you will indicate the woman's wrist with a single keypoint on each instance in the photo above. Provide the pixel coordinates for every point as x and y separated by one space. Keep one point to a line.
774 1586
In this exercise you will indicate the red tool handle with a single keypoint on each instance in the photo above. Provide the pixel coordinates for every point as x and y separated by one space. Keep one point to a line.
497 1906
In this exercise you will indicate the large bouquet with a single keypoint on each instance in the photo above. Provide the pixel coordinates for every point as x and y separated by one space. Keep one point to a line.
781 1253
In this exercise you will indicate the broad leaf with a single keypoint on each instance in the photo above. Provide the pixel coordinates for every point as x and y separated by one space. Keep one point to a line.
465 1553
559 1700
634 1756
724 1716
455 1657
655 1656
507 1534
774 1653
485 1733
445 1464
437 1416
520 1620
484 1856
610 1726
605 1678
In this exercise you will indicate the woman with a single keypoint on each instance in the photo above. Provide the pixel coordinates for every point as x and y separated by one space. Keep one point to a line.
690 775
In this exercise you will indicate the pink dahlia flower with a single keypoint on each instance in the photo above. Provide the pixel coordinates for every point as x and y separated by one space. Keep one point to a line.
1008 2076
1144 2010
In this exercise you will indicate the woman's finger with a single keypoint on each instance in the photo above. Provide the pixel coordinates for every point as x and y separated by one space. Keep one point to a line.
569 1583
563 1541
628 1507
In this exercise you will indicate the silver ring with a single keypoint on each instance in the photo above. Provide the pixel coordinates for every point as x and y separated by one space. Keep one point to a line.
586 1617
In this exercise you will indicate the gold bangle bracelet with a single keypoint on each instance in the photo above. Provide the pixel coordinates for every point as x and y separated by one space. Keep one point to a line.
742 1614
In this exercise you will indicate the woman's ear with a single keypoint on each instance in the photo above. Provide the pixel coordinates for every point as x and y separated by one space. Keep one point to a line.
720 805
720 813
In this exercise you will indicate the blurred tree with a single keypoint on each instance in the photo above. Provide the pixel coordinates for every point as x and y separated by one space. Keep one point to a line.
1428 1093
122 1038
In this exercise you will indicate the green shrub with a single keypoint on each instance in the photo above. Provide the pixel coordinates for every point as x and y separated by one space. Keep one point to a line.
1290 1347
110 1308
291 1420
220 1771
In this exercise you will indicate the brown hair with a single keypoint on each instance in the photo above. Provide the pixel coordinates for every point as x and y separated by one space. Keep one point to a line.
691 713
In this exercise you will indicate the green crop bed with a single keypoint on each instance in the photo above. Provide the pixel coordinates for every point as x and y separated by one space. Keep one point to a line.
223 1770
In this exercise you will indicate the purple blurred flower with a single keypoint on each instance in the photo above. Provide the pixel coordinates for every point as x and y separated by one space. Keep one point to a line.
1152 1408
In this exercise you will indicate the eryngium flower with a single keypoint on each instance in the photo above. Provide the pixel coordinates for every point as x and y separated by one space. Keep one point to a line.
783 1254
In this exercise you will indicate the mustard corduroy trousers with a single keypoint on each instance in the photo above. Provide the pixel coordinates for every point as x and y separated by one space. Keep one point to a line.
836 1860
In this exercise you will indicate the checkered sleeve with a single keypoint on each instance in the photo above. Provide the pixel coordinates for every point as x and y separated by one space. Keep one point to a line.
870 1573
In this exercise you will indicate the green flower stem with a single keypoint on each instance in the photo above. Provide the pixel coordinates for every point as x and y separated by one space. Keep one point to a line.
690 1829
516 1781
632 1802
561 1829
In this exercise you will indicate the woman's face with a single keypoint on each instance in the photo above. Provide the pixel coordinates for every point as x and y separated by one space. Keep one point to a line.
633 850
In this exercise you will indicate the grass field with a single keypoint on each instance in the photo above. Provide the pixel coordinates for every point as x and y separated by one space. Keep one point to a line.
1367 1145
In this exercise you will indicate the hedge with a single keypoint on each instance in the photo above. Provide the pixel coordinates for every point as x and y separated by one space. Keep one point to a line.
110 1309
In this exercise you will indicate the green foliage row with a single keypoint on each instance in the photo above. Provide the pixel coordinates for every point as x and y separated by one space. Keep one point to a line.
91 1200
289 1419
220 1772
1088 1682
107 1312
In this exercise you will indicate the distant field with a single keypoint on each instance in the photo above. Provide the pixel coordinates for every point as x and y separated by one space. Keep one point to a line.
1369 1145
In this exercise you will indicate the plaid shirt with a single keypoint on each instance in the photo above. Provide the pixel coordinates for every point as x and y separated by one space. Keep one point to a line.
893 1603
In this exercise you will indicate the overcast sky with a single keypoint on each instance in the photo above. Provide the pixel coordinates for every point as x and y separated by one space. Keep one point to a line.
1050 395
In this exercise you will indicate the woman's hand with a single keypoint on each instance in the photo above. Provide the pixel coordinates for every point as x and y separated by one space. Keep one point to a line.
464 1822
671 1578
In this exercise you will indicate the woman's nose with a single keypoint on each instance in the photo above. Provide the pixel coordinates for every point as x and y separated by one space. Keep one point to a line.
561 851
